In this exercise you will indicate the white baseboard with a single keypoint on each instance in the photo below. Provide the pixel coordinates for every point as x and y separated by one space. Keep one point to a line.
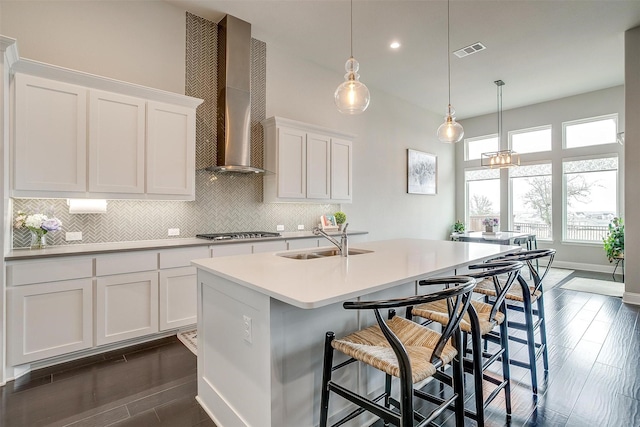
599 268
631 298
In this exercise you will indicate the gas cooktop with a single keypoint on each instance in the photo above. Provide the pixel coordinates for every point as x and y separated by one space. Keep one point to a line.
238 235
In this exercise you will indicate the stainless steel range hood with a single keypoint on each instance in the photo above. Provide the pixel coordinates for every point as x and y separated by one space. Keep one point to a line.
234 97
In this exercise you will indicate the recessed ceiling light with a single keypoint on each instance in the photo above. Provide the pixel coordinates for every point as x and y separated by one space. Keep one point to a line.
394 45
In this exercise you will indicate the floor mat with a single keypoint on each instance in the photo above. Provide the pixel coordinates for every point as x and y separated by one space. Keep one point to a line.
594 286
190 340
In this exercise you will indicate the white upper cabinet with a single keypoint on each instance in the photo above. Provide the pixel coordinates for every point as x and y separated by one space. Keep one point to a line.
171 156
83 136
310 163
291 153
50 135
341 170
116 143
318 166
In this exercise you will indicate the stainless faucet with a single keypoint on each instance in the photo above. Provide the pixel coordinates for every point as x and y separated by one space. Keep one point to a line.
343 245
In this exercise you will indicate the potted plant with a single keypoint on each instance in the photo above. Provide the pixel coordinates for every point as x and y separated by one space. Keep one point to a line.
458 227
614 240
340 217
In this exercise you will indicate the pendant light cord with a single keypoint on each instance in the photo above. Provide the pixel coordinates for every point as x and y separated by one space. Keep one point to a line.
351 39
500 83
448 53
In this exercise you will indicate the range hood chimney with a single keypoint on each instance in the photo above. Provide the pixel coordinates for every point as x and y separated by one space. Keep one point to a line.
234 97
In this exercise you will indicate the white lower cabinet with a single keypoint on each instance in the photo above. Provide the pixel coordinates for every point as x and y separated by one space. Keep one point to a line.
178 297
126 306
49 319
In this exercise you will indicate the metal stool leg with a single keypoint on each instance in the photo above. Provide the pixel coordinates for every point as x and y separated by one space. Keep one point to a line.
326 377
531 342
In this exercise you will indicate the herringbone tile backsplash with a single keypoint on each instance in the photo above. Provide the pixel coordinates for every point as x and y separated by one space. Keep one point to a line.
223 202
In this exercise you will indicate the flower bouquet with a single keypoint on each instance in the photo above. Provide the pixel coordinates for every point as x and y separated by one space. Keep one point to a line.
490 224
39 225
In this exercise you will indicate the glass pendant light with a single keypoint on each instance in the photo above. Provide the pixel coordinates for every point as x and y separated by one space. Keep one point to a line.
352 96
450 130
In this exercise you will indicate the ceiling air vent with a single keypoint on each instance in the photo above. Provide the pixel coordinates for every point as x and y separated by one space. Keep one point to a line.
469 50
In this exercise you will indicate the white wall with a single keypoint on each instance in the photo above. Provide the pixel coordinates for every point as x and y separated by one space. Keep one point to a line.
592 104
300 90
139 42
632 173
144 42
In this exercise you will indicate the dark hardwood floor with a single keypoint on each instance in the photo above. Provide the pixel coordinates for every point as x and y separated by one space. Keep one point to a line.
593 380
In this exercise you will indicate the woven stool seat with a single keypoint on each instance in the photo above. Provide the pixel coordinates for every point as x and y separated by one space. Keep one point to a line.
437 311
371 347
515 292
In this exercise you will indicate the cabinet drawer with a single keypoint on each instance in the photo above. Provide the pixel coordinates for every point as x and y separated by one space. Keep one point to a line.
129 262
231 249
172 258
50 270
279 245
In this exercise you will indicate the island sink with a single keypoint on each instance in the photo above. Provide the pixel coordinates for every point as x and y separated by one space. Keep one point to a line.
320 254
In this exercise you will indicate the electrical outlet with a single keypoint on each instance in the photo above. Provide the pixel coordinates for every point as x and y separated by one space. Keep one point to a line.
247 333
300 226
279 227
174 232
73 235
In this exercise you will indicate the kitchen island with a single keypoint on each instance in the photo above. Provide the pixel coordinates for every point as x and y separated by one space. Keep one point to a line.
262 320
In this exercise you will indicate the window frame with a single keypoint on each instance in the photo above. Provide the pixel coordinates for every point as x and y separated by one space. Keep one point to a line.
564 194
467 213
613 116
511 198
527 130
478 138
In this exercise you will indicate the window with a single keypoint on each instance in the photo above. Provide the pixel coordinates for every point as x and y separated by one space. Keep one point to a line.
474 147
531 200
588 132
590 191
531 140
483 196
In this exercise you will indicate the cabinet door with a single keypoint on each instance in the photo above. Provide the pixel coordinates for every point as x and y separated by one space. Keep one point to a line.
50 135
178 297
341 170
292 163
318 166
126 306
278 245
171 150
49 319
116 143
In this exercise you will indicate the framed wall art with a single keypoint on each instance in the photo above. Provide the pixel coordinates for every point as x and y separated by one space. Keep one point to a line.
422 172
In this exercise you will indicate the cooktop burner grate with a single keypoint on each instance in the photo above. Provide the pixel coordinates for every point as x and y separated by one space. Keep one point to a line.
238 235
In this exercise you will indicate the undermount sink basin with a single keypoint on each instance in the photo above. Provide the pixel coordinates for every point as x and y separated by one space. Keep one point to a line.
320 254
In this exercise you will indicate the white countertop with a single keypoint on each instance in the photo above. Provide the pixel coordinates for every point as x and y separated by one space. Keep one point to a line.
318 282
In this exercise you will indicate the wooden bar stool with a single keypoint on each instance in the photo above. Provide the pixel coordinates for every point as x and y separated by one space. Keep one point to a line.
521 298
479 322
405 350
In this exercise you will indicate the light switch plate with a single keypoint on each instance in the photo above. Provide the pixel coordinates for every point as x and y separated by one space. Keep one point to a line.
174 232
280 227
300 226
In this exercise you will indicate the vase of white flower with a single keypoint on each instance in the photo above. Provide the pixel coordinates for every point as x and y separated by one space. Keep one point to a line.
39 225
38 240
